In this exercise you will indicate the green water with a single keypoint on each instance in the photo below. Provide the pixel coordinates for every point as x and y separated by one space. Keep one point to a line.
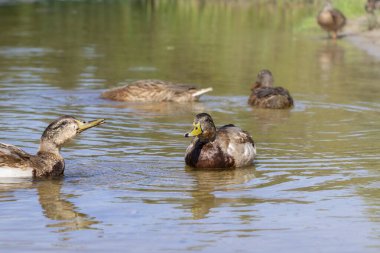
314 186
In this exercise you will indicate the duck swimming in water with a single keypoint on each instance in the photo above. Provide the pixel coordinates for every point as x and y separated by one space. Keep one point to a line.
154 91
224 147
331 19
264 95
48 162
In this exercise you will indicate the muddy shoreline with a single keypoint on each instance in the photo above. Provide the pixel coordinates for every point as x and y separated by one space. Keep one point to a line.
358 34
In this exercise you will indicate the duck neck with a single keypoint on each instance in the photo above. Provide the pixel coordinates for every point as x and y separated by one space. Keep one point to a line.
48 147
208 135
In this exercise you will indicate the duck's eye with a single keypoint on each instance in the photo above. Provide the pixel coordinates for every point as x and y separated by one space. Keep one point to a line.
62 124
196 128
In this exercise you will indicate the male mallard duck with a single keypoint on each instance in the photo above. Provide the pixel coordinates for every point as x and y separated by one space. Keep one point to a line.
331 19
14 162
155 91
264 95
225 147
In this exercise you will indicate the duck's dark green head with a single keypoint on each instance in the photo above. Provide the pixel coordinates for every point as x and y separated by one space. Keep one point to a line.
264 79
65 128
204 127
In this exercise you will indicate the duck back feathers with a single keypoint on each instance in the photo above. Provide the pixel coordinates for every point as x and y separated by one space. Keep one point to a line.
13 156
271 97
154 91
15 162
265 95
231 148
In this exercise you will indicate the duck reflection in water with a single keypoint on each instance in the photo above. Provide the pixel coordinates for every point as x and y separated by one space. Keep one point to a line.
329 55
207 182
160 108
270 119
56 206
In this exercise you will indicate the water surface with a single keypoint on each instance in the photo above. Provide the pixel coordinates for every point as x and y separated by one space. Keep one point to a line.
313 188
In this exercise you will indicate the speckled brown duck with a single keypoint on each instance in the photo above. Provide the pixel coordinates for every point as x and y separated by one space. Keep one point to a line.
331 20
224 147
264 95
48 162
155 91
372 5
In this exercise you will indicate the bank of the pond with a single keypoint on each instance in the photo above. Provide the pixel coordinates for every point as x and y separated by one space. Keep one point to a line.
358 34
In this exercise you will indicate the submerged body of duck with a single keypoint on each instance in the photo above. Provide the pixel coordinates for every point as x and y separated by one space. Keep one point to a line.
48 162
224 147
264 95
154 91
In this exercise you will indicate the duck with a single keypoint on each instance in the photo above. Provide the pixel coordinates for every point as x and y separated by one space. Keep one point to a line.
372 5
48 162
331 19
370 8
264 95
154 91
224 147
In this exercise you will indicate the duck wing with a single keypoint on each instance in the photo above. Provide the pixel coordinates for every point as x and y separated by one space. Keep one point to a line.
154 91
339 19
237 144
271 97
270 91
12 156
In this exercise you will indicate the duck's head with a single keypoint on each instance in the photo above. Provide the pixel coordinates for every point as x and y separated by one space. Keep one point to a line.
327 6
264 79
204 128
64 129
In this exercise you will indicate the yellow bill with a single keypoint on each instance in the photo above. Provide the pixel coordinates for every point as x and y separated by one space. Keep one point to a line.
197 130
86 125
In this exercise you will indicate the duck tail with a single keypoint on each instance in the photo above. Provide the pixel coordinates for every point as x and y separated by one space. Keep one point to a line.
201 92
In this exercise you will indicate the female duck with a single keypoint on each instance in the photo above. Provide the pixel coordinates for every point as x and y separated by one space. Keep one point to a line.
155 91
372 5
225 147
264 95
48 162
331 19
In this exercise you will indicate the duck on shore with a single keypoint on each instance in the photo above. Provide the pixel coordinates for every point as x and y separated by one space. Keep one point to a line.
48 162
331 20
372 5
155 91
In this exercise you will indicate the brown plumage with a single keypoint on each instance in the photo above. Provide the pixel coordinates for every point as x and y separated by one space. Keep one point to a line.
264 95
331 19
372 5
48 162
225 147
155 91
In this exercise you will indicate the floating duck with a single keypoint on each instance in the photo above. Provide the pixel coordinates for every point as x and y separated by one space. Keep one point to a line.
48 162
331 19
154 91
264 95
224 147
